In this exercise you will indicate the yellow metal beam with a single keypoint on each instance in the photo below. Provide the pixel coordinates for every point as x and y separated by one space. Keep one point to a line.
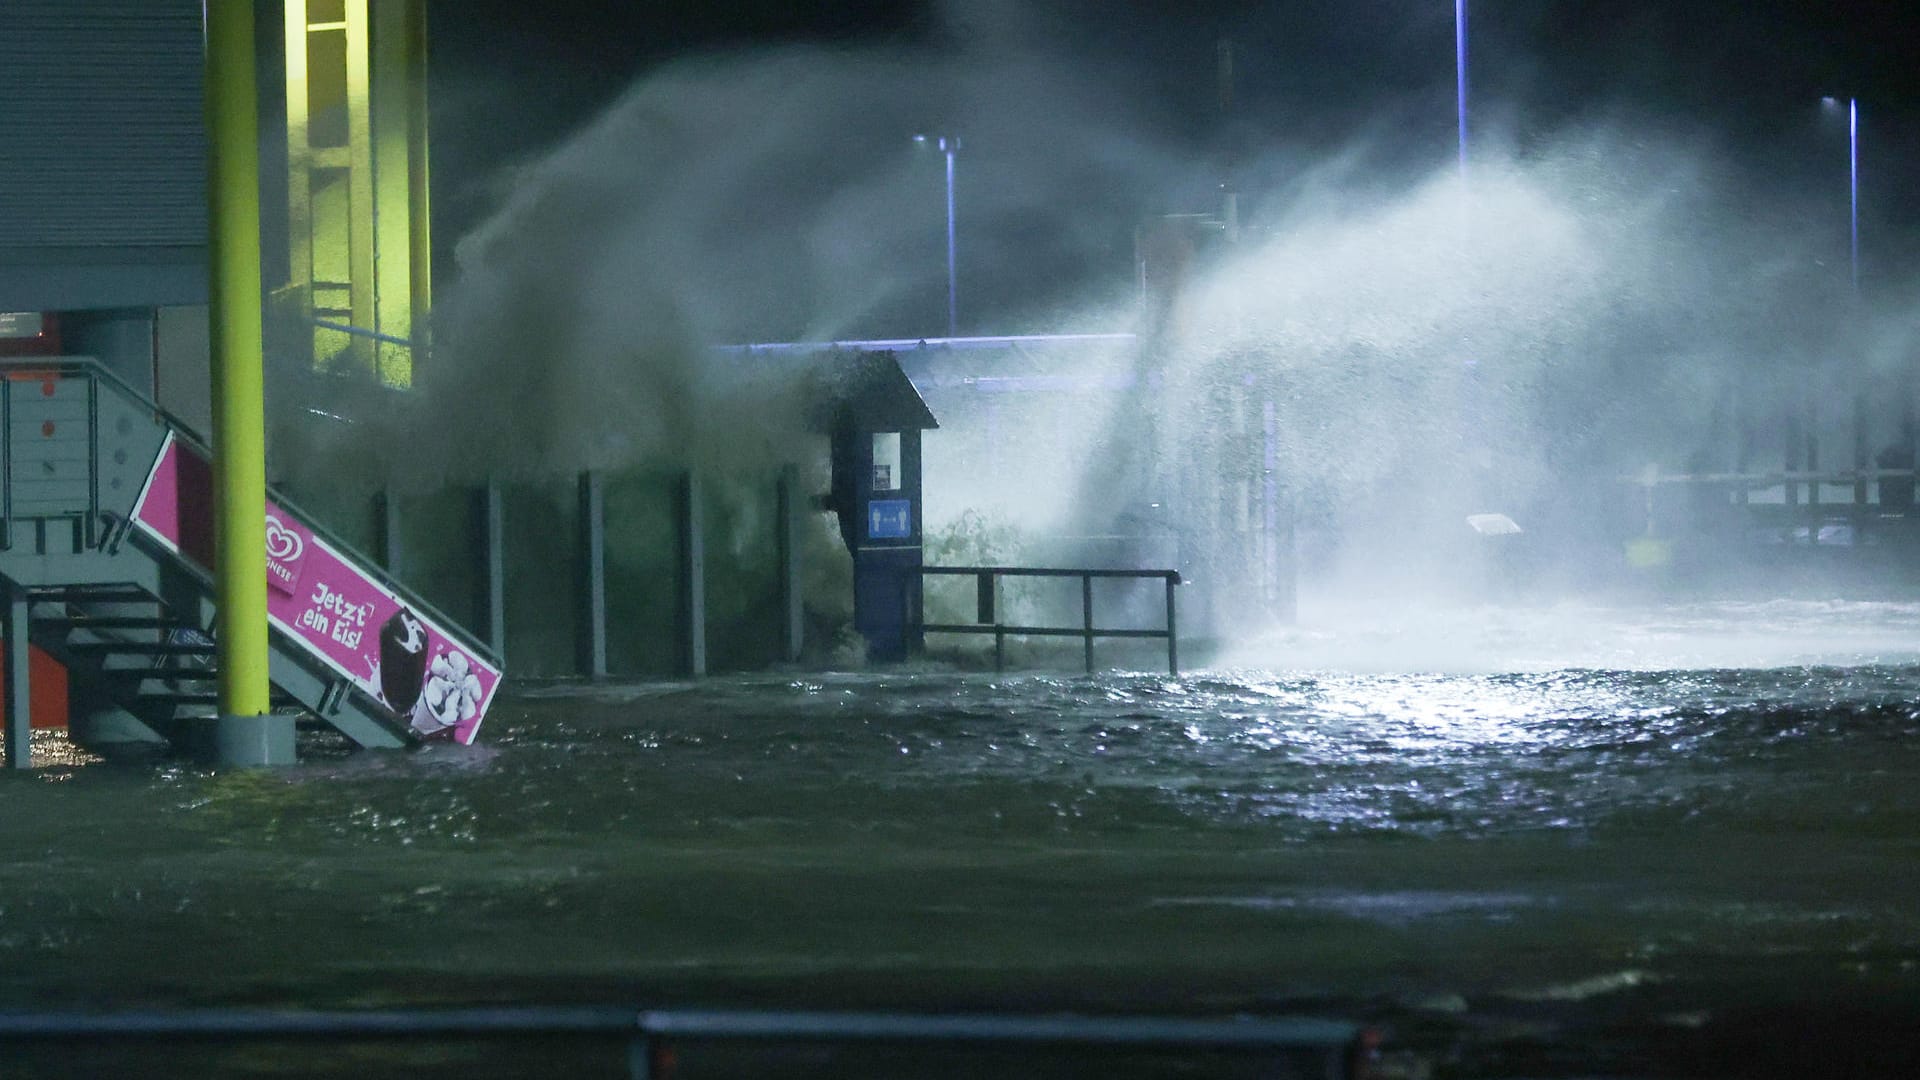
392 147
361 243
239 421
420 240
299 161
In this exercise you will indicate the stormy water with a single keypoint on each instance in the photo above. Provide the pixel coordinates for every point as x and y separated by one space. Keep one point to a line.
1655 841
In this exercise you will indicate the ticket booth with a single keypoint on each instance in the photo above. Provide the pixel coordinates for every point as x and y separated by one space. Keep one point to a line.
874 416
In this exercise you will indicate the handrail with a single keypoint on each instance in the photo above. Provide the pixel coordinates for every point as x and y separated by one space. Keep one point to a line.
650 1034
186 433
361 331
987 622
1835 477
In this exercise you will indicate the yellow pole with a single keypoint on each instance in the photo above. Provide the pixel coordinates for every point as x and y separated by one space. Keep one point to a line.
420 242
244 733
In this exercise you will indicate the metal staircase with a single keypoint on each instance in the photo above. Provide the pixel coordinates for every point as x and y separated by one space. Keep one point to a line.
132 618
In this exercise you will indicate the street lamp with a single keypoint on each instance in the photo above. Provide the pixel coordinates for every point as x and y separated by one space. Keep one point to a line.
948 145
1832 105
1460 76
1904 455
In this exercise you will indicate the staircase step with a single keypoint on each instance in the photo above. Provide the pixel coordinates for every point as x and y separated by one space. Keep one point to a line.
92 594
144 648
112 622
196 675
276 698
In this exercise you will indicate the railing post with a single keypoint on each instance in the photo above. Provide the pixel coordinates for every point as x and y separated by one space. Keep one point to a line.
386 519
90 530
908 582
793 621
1086 616
999 628
1173 628
6 463
592 507
984 599
693 569
640 1057
1860 460
493 537
18 662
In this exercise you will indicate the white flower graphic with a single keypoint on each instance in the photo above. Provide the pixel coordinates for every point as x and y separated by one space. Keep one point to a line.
452 695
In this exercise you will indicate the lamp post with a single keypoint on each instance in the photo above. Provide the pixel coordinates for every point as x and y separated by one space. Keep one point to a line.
948 145
1832 105
1853 189
1460 76
1860 448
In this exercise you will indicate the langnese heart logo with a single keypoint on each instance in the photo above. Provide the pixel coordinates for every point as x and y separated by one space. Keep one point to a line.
283 543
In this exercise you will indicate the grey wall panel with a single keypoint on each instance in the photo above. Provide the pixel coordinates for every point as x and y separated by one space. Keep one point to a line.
62 280
102 153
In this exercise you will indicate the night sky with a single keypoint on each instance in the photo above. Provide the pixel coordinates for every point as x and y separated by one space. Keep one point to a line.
1743 76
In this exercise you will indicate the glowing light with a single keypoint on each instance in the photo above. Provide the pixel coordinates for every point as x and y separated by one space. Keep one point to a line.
1460 75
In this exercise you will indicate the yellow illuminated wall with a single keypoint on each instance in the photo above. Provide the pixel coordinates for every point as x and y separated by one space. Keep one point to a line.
357 182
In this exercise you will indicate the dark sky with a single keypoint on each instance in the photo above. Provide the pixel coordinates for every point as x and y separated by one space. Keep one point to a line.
1742 60
510 78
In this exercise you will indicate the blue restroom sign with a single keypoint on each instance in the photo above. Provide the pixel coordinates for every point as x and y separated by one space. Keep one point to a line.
889 519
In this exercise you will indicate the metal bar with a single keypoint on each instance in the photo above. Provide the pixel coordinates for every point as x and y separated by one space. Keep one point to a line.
1751 480
17 668
640 1058
362 284
994 341
90 529
1173 635
389 90
361 331
1040 571
1247 1033
999 648
1036 631
792 623
419 220
246 732
237 1024
984 595
6 463
1859 451
650 1030
387 516
950 144
593 566
1789 457
493 533
299 163
693 573
1086 616
1813 453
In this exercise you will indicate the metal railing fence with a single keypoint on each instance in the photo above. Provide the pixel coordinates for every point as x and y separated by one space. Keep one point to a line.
1335 1049
987 619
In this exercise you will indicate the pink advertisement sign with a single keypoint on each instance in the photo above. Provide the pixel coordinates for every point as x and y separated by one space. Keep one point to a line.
339 611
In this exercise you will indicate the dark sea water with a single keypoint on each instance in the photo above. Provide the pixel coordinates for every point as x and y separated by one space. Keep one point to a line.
1697 853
